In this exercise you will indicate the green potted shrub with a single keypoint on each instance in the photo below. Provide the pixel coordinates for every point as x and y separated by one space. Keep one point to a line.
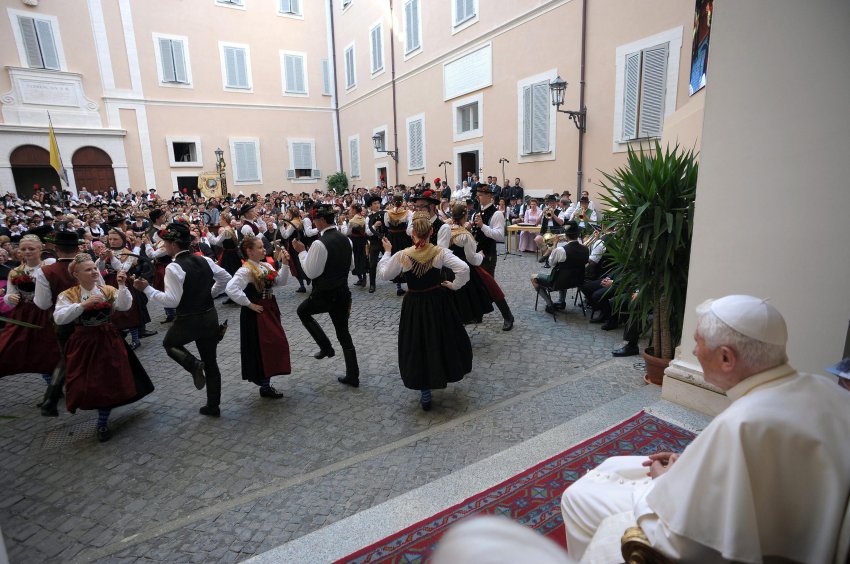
338 182
651 210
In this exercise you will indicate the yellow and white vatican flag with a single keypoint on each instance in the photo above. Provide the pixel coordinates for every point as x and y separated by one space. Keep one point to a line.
55 157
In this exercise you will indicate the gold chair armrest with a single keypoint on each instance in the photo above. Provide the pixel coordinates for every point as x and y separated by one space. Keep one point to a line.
636 548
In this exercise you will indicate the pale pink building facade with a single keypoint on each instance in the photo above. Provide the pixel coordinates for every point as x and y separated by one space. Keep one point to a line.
294 90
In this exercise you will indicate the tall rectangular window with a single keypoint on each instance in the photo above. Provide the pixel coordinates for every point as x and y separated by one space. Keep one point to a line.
290 7
246 161
644 92
467 118
302 160
350 69
354 156
39 43
535 118
464 10
237 71
416 142
377 48
172 57
412 26
326 77
294 76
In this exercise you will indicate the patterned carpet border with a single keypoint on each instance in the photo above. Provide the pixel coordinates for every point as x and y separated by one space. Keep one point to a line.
532 497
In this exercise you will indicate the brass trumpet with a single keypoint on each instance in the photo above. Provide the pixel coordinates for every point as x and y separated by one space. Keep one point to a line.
548 213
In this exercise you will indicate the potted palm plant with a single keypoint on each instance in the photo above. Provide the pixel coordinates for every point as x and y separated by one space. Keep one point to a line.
651 210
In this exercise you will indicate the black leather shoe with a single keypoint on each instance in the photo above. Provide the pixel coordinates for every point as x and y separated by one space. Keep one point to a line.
324 353
400 292
426 405
609 325
49 410
543 258
210 411
360 283
478 320
508 324
560 305
550 309
301 290
147 333
103 434
371 288
352 381
547 265
135 345
270 392
626 350
599 319
168 319
198 375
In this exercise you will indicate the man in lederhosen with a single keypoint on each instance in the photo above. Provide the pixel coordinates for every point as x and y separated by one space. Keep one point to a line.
328 263
191 283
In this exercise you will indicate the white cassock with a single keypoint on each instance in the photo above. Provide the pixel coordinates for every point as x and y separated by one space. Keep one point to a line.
769 477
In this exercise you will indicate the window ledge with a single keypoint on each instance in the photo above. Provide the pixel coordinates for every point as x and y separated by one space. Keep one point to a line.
379 72
291 16
413 53
296 94
458 27
248 90
304 180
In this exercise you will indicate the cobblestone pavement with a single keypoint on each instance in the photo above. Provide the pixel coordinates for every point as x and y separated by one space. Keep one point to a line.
173 485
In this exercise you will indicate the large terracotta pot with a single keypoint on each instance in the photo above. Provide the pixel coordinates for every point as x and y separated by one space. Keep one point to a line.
654 367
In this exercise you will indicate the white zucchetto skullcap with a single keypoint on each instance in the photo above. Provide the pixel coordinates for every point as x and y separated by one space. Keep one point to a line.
752 317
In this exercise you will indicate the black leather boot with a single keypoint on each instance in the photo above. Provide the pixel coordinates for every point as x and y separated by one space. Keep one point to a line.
506 315
192 365
352 371
315 330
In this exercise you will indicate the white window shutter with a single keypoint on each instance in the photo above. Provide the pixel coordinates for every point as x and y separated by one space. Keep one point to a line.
180 74
540 117
48 46
470 8
300 82
631 93
377 49
290 173
316 173
241 68
526 120
651 117
296 6
415 144
411 18
326 77
473 111
460 11
302 156
167 60
30 39
289 73
350 79
230 66
354 157
246 161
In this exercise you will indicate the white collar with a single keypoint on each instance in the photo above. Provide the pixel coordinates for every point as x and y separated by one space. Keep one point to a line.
326 228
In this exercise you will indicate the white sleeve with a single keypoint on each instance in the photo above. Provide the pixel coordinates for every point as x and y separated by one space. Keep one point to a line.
216 239
597 251
469 246
174 276
496 229
43 298
460 268
66 311
288 231
444 236
309 230
247 231
389 266
11 290
558 255
344 228
313 260
282 275
123 299
236 287
220 275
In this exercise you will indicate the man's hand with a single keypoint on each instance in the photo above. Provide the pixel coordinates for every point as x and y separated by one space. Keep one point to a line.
255 308
388 247
377 224
298 246
659 463
121 277
606 282
478 220
140 284
14 299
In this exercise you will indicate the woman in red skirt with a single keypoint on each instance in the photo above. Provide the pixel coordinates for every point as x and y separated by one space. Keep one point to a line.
102 372
24 349
263 344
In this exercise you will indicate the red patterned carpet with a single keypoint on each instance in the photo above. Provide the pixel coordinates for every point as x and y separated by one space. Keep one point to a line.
533 497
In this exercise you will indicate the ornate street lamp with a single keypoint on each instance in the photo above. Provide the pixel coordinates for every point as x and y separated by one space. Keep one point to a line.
558 87
378 141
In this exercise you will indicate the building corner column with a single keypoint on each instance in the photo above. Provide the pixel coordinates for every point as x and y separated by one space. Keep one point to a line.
685 385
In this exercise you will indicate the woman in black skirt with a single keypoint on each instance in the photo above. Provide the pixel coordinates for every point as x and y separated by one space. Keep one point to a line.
433 347
262 341
355 229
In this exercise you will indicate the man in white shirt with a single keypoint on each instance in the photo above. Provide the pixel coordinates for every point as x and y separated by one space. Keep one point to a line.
768 479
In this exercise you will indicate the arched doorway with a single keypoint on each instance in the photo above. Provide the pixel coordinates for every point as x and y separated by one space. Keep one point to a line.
31 169
93 169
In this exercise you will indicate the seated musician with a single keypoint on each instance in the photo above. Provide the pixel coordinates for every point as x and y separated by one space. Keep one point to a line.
570 274
551 223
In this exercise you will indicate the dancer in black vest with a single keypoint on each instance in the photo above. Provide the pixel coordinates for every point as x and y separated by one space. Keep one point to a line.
489 228
427 201
191 282
375 231
328 263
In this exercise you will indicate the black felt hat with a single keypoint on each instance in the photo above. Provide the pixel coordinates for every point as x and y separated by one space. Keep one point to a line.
66 239
177 231
246 208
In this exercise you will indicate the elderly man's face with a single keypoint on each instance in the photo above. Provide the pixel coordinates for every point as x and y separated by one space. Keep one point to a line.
709 359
